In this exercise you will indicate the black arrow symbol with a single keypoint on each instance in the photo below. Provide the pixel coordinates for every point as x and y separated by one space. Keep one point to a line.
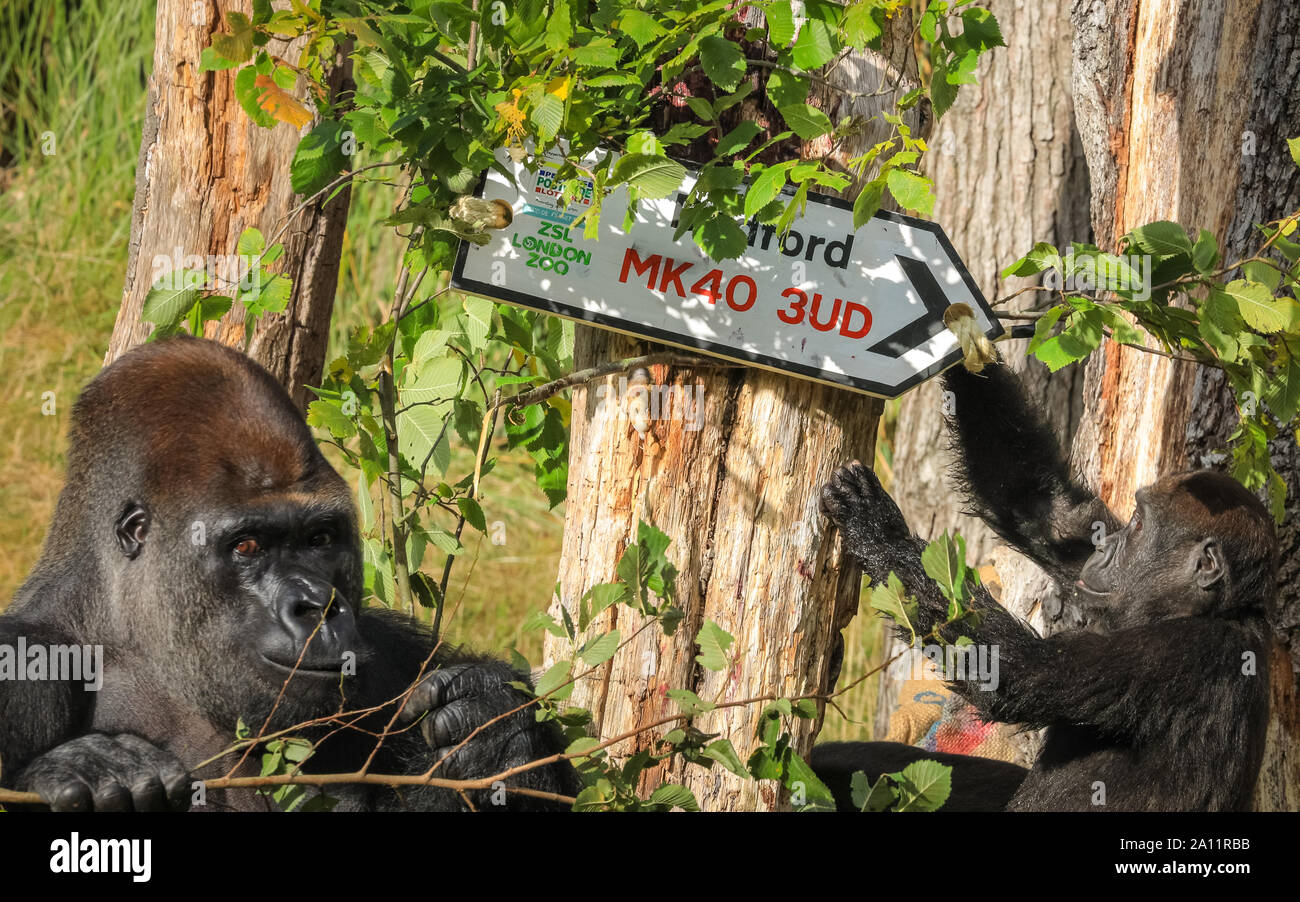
920 330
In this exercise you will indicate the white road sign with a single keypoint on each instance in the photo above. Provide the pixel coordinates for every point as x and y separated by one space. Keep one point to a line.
859 309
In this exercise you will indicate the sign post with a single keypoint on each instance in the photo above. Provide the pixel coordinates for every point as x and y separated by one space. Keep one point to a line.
856 309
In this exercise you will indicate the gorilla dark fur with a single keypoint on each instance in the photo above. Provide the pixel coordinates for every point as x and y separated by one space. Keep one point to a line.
1154 699
201 538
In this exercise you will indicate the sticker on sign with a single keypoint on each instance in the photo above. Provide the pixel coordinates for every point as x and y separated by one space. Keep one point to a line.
859 309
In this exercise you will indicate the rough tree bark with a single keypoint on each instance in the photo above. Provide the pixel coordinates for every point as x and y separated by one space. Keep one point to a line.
1008 171
1184 109
739 500
206 173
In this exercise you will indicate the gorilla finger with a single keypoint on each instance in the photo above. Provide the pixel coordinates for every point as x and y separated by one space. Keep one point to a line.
171 776
432 692
63 791
147 793
110 795
450 724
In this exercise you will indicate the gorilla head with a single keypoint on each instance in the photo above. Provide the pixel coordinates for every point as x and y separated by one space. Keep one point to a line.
1197 543
206 545
224 538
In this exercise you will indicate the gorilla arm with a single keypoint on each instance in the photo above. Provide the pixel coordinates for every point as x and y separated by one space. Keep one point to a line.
1134 682
1015 476
44 746
63 706
453 714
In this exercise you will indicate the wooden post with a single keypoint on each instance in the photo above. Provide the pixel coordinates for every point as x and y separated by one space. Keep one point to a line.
1147 80
738 497
207 172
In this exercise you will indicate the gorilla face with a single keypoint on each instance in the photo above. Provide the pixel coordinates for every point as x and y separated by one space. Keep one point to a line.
272 597
1177 555
293 566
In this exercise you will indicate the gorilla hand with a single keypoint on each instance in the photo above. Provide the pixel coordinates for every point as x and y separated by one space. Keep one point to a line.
873 530
98 772
457 698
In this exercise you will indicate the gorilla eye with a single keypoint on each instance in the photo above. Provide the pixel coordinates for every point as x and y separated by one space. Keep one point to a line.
247 547
321 539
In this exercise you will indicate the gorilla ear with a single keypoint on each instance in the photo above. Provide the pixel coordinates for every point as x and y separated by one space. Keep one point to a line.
131 528
1210 566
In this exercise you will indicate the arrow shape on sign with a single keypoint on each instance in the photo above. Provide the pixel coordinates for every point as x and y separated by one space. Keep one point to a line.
929 324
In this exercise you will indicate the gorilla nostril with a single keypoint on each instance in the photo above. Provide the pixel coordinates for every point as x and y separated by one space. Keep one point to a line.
305 610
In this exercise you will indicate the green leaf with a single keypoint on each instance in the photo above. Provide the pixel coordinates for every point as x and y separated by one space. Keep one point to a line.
1043 256
319 158
418 429
815 46
167 306
689 702
786 89
601 649
765 188
713 641
980 30
1259 308
860 27
862 792
912 191
640 27
478 321
868 202
780 23
1283 395
1043 328
473 513
597 599
1164 239
1077 341
555 677
1293 144
328 415
944 563
890 599
807 121
438 379
251 243
816 795
722 751
211 61
1122 330
924 786
674 796
738 137
248 94
723 62
547 115
652 176
1205 253
721 238
237 44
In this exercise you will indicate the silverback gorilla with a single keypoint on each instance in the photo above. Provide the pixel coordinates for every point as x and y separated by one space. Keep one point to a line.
1155 705
202 539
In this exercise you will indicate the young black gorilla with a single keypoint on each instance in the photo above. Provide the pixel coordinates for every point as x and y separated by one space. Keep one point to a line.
201 539
1154 699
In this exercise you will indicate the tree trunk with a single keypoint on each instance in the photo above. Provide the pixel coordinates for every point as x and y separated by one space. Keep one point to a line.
739 498
1008 171
1184 110
206 173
